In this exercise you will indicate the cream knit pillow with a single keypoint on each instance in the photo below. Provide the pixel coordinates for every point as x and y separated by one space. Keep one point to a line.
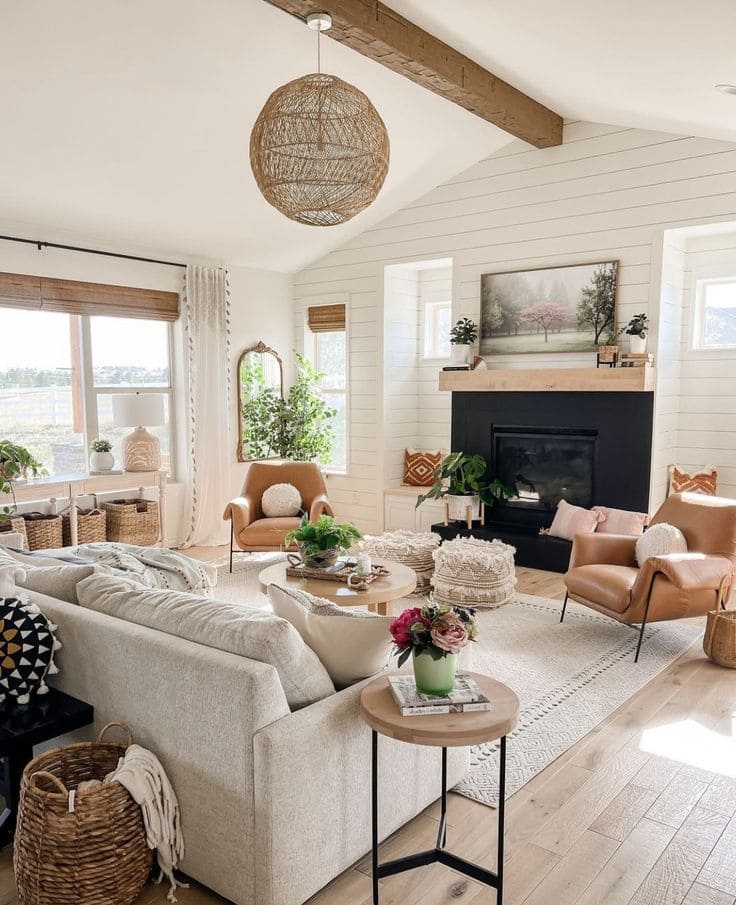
281 501
660 540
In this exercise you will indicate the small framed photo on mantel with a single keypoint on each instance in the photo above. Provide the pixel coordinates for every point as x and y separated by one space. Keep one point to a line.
569 308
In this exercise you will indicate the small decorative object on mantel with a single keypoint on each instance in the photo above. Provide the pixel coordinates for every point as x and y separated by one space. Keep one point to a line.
101 459
637 360
433 636
637 329
462 337
319 150
321 542
459 482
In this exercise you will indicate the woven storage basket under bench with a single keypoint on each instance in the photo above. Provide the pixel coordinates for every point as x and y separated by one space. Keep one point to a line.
43 532
132 521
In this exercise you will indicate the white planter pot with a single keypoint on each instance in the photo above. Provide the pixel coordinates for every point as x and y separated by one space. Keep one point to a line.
460 352
101 461
637 344
457 507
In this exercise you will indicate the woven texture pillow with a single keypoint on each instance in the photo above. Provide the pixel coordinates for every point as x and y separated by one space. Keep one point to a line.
660 540
703 481
570 520
281 501
419 466
621 521
351 644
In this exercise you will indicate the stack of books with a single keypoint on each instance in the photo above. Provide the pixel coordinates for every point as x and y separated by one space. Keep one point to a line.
466 697
636 360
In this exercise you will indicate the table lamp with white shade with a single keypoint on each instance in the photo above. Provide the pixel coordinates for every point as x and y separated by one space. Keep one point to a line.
141 450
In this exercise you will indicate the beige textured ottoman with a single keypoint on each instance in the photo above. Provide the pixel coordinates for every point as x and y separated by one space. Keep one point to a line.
410 548
472 572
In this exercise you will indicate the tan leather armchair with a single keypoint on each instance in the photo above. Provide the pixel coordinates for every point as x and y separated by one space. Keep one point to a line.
250 529
603 573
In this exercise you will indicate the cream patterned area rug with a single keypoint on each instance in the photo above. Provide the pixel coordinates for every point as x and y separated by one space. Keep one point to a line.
569 676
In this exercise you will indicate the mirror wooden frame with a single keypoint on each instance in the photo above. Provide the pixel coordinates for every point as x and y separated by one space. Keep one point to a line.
262 349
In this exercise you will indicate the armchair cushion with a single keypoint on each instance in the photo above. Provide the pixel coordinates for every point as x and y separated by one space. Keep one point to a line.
612 549
607 586
267 532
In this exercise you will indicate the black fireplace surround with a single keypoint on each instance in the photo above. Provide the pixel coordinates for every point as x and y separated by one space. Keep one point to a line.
585 447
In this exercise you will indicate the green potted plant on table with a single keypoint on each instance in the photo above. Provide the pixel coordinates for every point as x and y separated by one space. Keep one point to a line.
459 479
321 542
433 636
462 337
101 457
16 464
637 329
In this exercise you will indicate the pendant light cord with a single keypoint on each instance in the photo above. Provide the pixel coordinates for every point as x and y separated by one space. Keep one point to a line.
319 59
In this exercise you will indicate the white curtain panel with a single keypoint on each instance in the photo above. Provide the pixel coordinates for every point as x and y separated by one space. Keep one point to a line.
207 334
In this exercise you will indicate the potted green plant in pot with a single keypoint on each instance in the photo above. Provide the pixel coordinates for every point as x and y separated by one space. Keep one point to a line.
16 464
459 480
637 329
321 542
462 337
433 636
101 457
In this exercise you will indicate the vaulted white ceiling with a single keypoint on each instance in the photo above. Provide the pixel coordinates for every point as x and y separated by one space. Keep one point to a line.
126 124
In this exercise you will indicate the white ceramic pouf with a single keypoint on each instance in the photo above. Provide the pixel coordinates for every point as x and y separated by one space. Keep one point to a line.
473 572
410 548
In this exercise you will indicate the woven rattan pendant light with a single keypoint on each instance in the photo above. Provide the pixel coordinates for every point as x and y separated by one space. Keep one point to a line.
319 150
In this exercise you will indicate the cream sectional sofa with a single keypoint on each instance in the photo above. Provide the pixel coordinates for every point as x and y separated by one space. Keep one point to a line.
275 802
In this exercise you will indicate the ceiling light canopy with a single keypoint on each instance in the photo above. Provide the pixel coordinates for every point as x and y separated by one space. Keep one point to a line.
319 149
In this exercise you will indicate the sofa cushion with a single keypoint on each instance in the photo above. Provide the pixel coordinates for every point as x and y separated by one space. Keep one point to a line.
268 532
47 576
240 630
352 644
605 585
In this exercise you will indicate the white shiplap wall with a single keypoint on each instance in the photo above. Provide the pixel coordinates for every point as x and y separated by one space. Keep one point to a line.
607 192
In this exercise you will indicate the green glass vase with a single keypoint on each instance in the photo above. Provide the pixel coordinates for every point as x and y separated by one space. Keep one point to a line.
434 676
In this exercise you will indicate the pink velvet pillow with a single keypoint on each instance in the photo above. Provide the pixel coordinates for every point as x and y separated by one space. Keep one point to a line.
571 520
621 521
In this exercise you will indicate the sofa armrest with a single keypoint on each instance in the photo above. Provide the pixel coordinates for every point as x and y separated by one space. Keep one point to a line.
609 549
242 512
320 506
694 571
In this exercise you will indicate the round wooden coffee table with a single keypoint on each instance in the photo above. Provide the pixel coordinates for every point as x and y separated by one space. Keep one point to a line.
455 730
400 582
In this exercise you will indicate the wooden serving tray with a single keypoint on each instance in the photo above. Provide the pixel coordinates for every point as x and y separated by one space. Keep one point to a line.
341 572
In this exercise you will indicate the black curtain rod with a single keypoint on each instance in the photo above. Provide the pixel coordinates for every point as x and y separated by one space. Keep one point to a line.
90 251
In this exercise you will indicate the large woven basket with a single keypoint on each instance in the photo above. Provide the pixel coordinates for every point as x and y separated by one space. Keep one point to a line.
43 531
18 525
91 526
79 848
719 642
132 521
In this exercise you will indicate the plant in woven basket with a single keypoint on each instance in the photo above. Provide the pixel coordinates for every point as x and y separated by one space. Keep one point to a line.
321 542
16 463
460 476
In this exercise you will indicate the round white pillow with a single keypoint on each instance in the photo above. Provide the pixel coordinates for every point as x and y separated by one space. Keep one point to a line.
281 501
659 540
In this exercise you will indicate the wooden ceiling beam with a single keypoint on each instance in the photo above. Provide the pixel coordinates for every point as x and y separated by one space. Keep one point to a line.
376 31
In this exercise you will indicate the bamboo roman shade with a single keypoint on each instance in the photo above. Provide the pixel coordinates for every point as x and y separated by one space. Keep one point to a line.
72 297
326 318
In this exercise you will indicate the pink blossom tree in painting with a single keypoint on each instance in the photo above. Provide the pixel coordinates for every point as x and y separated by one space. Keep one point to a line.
545 316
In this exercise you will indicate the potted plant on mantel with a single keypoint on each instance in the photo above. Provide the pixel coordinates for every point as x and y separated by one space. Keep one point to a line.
462 337
459 480
321 542
16 464
637 329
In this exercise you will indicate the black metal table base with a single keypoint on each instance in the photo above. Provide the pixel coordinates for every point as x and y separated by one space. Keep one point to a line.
439 854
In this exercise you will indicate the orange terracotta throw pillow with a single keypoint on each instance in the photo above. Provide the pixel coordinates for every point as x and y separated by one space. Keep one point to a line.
703 481
419 466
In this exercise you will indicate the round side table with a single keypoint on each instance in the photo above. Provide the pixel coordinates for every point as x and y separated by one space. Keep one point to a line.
454 730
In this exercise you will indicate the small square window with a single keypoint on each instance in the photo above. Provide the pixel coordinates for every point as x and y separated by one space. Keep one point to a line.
437 318
715 320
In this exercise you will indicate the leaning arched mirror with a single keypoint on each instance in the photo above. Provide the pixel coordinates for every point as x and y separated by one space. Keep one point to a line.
260 386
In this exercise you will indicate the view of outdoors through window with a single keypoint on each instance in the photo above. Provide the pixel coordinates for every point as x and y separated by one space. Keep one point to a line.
45 399
718 314
331 360
437 319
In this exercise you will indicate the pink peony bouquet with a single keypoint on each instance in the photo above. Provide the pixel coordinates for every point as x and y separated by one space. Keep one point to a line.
438 630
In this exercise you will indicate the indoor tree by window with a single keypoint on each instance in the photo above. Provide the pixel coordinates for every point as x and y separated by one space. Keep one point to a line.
327 324
715 320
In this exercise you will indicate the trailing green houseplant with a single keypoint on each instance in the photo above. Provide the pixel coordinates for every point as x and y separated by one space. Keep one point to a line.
16 464
460 476
321 542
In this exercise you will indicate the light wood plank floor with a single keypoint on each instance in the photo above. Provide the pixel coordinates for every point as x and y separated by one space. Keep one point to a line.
642 811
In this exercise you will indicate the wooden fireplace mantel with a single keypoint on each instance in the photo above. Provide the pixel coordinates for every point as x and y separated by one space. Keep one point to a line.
567 380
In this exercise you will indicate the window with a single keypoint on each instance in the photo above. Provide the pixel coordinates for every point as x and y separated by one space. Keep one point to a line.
58 376
715 314
330 358
437 322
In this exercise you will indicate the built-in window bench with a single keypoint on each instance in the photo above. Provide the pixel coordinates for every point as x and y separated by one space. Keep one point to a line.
400 509
74 487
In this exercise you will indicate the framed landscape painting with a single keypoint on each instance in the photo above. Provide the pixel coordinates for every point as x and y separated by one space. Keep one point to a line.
551 309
